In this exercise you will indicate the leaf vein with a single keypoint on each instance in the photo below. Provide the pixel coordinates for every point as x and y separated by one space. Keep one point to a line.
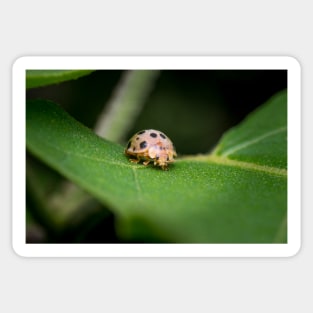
234 163
253 141
138 187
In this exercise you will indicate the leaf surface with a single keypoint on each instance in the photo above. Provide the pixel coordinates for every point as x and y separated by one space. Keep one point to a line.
237 194
39 78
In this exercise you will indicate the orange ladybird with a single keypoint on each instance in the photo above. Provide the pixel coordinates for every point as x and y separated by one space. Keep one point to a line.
151 146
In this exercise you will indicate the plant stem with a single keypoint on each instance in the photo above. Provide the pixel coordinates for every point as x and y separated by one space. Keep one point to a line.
126 103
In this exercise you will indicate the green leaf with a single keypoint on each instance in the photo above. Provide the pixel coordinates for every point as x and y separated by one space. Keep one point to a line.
238 194
39 78
261 139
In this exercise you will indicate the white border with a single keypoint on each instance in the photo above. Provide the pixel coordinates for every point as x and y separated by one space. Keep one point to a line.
156 250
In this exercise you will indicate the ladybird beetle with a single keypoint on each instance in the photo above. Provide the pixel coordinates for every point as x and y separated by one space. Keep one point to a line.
151 146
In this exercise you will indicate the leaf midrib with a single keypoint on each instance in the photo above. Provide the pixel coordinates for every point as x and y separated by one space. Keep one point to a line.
240 164
253 141
218 159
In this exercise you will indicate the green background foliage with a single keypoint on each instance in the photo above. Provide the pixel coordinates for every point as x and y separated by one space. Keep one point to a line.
39 78
229 188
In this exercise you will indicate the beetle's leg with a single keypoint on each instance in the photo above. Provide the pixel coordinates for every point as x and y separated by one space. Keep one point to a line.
134 160
146 162
164 167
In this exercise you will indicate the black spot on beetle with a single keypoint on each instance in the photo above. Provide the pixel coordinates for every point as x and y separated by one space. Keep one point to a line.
143 144
163 136
137 138
167 159
154 135
134 148
141 132
129 144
